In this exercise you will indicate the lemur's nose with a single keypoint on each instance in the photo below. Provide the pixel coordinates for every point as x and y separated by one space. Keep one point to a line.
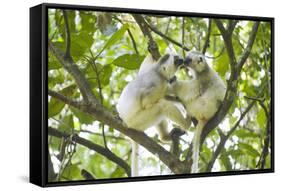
178 61
187 61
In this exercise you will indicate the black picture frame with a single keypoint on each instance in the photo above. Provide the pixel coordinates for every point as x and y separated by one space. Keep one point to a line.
39 93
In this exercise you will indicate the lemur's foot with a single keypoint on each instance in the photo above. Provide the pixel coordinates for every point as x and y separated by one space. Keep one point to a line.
176 132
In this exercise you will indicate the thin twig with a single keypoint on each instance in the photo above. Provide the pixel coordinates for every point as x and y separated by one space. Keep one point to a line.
68 41
168 26
224 138
152 28
95 69
64 99
99 149
217 56
207 41
130 34
267 136
249 46
183 36
107 136
152 46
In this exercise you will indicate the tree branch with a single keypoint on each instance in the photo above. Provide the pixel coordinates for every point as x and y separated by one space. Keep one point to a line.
232 82
231 26
183 35
64 99
99 149
152 46
224 138
152 28
73 69
68 41
264 153
249 46
228 44
207 42
130 34
106 117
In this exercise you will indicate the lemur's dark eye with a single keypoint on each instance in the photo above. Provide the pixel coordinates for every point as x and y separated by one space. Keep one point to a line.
200 59
164 68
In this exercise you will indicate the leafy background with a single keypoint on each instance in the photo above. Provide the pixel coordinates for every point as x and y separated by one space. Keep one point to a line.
108 49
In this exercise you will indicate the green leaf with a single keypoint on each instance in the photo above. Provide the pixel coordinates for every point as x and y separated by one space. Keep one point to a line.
67 124
118 173
53 62
226 161
235 153
52 81
105 74
69 90
249 149
88 21
129 61
222 64
242 133
115 37
59 22
261 117
54 107
81 42
84 118
72 172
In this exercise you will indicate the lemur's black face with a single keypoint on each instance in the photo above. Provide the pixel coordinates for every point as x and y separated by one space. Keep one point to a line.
196 61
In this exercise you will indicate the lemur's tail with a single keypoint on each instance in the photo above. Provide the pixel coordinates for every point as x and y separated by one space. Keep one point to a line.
134 159
196 147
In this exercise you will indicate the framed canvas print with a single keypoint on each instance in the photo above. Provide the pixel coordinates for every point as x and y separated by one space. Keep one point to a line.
127 94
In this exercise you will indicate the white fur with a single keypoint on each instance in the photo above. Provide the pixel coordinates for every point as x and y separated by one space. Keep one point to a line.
142 104
200 103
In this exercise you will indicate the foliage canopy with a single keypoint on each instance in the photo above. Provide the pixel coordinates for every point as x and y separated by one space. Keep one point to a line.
107 49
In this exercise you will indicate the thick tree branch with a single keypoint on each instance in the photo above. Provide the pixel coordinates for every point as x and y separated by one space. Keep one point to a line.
99 149
234 74
224 138
152 46
231 26
106 117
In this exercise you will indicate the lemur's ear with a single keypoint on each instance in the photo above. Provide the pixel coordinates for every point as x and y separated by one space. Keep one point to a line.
163 59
